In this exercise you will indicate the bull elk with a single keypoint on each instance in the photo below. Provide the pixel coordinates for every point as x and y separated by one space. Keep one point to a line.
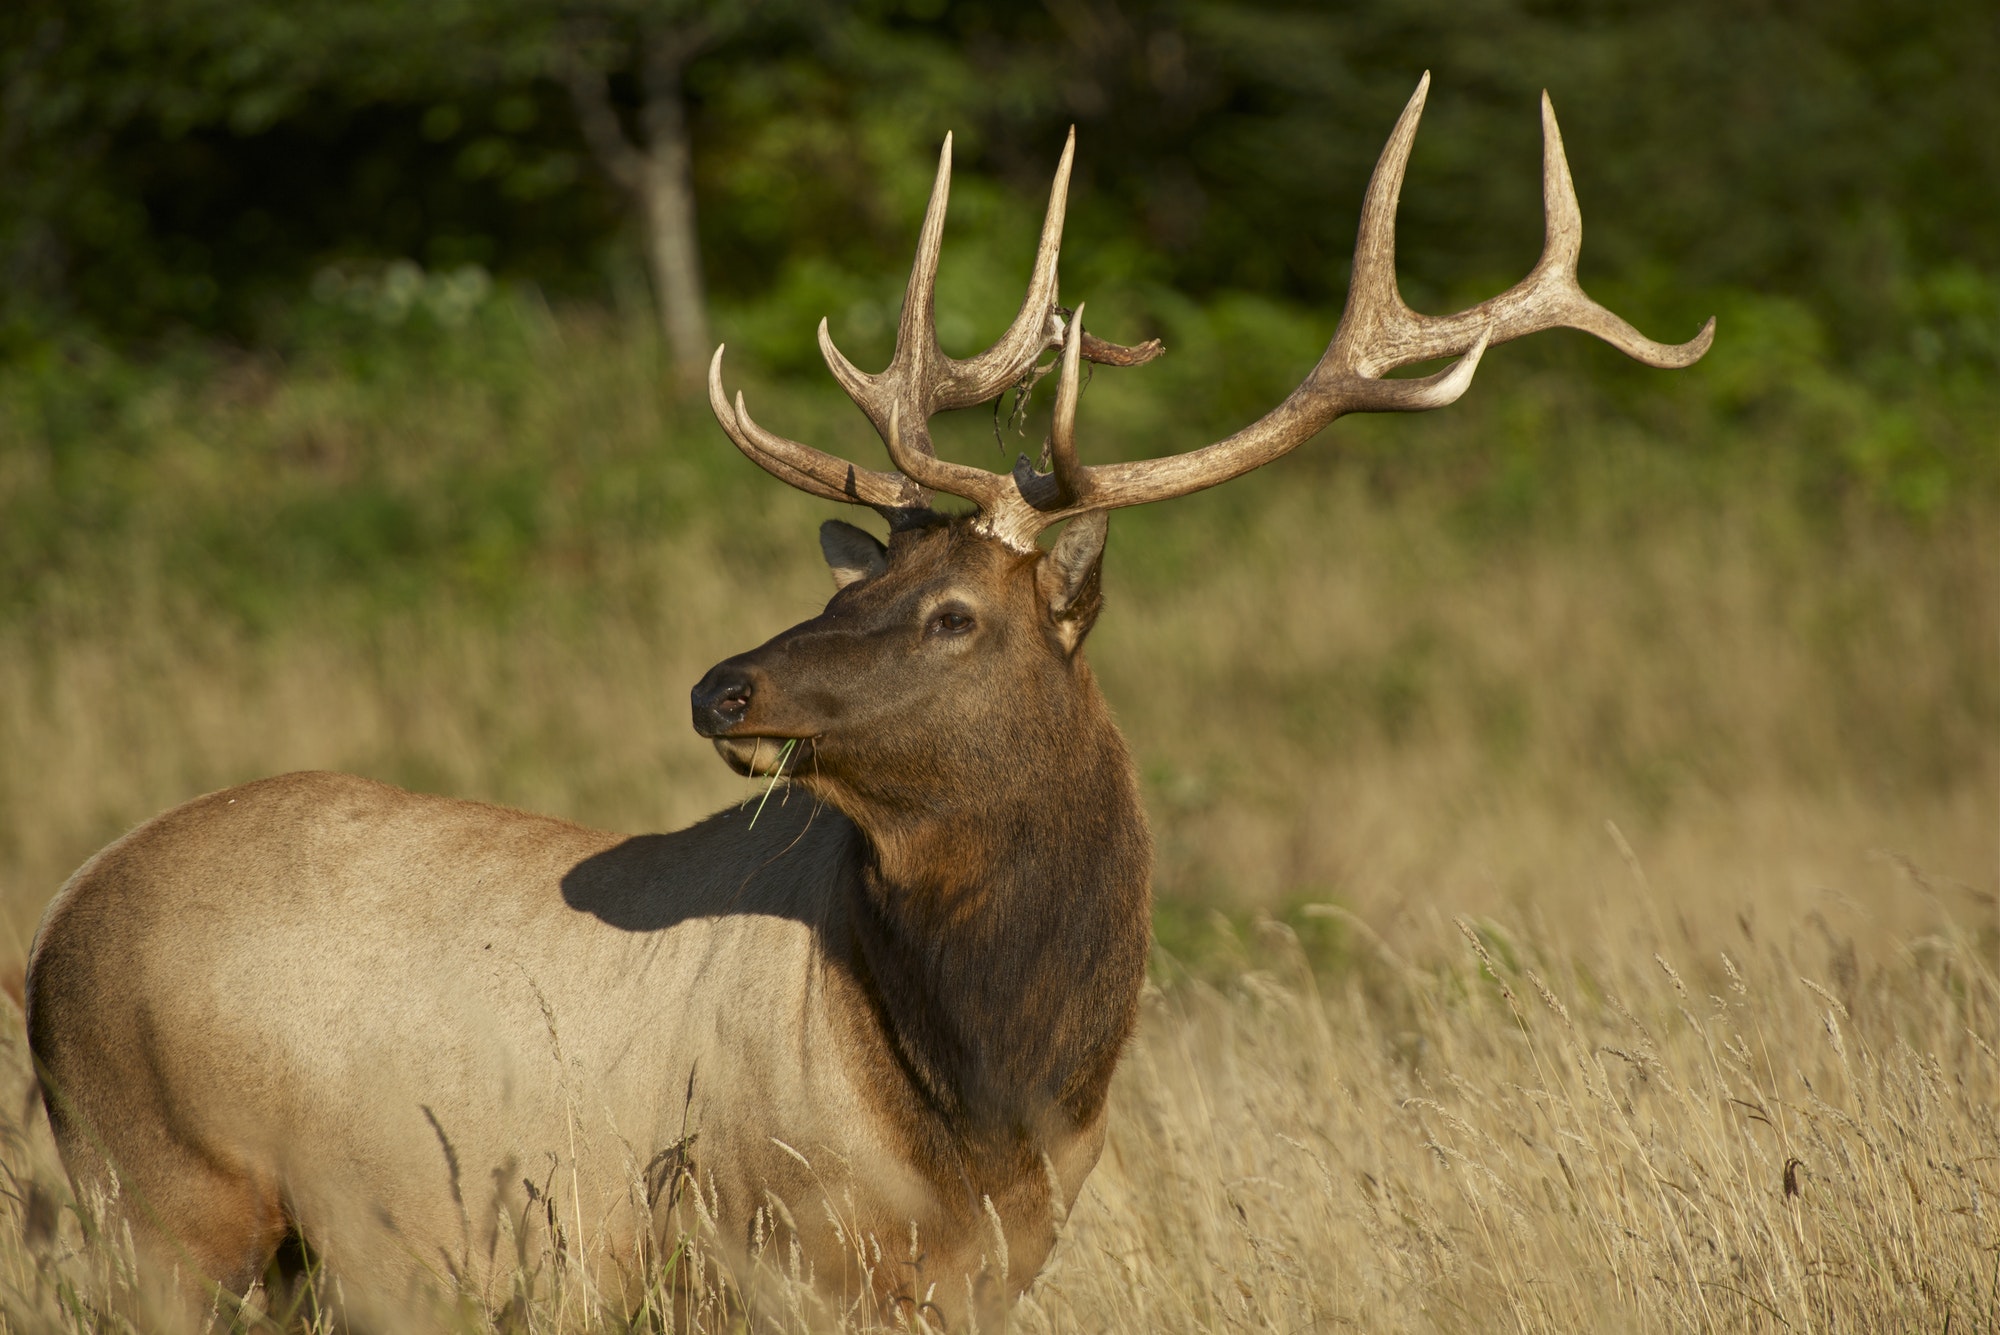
434 1038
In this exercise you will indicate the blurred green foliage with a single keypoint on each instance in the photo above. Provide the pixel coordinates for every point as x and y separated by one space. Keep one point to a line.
193 163
381 217
428 435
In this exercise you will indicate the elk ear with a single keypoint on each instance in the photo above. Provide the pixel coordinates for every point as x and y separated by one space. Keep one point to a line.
1069 576
852 553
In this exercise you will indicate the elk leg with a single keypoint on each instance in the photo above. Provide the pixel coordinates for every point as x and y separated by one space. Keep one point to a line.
189 1214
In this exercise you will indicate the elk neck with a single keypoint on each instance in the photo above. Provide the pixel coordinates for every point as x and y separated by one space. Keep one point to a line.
1002 922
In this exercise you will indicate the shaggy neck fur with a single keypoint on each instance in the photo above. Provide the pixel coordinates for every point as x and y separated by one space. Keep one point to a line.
1001 931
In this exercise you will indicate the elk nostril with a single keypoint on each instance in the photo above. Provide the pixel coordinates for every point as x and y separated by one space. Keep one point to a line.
722 697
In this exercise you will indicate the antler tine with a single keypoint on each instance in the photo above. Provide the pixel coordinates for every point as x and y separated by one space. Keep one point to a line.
915 459
802 466
1377 327
1375 312
1554 276
1069 473
917 359
977 379
921 380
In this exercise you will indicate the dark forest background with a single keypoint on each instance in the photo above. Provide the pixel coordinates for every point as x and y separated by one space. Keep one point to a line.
184 168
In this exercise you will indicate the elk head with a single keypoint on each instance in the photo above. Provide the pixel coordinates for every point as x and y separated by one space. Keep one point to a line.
964 632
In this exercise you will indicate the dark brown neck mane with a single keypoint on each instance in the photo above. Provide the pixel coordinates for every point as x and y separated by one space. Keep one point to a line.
1001 935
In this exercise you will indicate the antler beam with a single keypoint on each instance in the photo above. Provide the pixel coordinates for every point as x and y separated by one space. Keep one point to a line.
1379 333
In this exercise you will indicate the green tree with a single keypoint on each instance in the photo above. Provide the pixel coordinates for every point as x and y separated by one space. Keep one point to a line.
78 78
654 167
1833 154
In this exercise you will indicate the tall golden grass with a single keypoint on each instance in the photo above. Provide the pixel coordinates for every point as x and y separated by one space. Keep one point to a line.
1349 708
1580 929
1744 1130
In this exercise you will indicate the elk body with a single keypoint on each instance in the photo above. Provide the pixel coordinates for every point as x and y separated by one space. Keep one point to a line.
447 1042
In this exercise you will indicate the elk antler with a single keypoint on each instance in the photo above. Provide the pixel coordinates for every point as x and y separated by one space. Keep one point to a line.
1377 334
921 381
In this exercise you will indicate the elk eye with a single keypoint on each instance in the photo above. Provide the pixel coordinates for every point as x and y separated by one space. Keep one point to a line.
951 622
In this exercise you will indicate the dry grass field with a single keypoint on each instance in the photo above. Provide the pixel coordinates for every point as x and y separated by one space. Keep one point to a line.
1587 926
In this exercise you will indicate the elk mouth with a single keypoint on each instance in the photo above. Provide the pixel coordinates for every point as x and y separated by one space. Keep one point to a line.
765 757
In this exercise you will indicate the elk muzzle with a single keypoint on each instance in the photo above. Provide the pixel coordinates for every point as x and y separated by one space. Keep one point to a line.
723 702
